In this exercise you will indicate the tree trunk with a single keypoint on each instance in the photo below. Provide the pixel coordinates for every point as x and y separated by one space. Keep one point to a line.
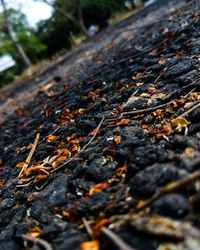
80 16
79 23
13 38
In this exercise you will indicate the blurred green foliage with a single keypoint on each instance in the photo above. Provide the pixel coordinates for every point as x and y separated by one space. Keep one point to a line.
54 34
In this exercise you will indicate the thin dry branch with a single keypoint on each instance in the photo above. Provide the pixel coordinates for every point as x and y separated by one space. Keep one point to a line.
171 187
30 155
116 239
197 105
138 112
88 228
38 241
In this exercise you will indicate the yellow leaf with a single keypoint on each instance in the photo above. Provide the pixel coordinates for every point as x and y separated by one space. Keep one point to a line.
90 245
179 122
35 232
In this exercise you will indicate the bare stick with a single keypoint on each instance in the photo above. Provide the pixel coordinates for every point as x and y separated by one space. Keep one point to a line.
38 241
139 112
197 105
76 155
88 228
30 155
171 187
116 239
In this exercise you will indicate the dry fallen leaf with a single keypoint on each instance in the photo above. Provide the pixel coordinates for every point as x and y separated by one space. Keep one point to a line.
162 61
52 138
20 164
97 228
117 139
90 245
158 112
178 103
166 130
123 122
98 188
59 161
35 232
179 123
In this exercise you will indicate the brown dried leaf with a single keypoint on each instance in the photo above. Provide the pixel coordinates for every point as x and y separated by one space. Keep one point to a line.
59 161
98 188
123 122
20 164
158 112
117 139
178 103
162 61
51 138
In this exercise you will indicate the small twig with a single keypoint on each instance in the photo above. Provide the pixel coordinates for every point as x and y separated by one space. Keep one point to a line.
197 105
30 155
88 228
171 187
75 156
116 239
129 99
180 91
138 112
160 75
38 241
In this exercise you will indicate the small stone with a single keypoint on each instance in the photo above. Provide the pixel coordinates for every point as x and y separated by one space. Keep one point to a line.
100 169
173 205
145 183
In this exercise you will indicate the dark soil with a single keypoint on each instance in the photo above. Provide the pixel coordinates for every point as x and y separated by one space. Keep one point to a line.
114 131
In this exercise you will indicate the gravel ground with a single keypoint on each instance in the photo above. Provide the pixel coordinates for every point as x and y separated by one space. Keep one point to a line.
106 155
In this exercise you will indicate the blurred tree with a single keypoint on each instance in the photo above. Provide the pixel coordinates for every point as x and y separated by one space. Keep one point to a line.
8 29
68 15
25 36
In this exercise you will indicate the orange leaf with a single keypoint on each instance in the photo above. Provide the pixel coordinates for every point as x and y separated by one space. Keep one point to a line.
34 232
62 151
117 139
59 161
140 203
52 138
123 122
98 188
97 228
20 164
158 112
166 130
90 245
